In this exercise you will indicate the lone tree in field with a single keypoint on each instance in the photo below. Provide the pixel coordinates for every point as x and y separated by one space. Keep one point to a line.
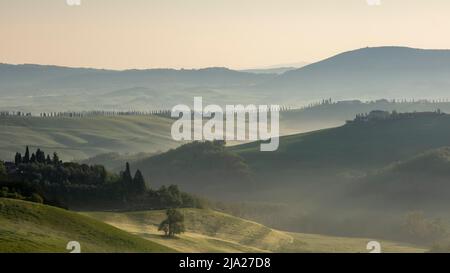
174 224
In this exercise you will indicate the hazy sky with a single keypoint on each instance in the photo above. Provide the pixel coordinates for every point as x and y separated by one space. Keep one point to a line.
123 34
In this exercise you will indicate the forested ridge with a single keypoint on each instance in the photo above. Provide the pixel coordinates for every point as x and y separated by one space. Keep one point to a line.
47 179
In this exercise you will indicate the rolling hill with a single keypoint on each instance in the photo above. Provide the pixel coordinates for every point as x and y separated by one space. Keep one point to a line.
201 168
212 231
367 73
116 139
347 152
328 177
361 145
40 79
417 183
38 88
361 178
29 227
79 138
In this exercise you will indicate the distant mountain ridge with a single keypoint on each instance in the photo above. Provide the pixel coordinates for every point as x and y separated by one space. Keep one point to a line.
35 88
367 73
14 77
276 70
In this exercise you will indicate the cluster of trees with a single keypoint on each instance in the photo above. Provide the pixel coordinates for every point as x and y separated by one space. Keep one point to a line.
167 113
104 113
173 224
163 113
14 113
34 197
394 115
74 185
38 157
3 173
132 185
326 102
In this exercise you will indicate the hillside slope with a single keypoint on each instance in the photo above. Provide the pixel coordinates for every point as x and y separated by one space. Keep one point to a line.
201 167
417 183
88 137
79 138
30 227
369 73
212 231
347 152
361 145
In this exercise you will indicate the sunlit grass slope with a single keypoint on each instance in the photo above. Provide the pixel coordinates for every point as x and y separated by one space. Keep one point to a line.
29 227
212 231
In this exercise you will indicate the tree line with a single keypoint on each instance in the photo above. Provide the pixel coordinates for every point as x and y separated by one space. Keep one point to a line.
84 114
167 112
394 115
47 179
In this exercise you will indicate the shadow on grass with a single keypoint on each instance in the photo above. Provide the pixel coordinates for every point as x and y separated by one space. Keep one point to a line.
158 236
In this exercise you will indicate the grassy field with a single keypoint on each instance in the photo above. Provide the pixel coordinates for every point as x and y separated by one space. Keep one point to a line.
212 231
79 138
29 227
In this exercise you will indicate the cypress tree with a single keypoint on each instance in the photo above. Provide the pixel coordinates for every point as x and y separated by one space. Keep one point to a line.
33 158
55 159
48 160
40 156
26 158
127 178
18 159
139 182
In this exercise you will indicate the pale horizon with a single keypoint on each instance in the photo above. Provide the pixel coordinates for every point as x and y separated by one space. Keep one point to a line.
249 34
268 67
